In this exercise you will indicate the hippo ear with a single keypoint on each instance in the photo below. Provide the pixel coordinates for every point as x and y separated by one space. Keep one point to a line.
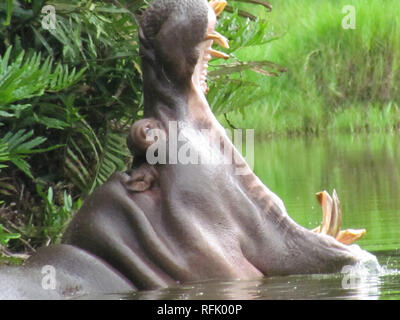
139 138
141 178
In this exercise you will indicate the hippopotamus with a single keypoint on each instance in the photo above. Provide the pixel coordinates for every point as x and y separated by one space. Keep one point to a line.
193 213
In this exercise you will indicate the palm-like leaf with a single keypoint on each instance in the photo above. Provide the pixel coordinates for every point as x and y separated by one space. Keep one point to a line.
29 77
91 160
112 157
15 147
228 89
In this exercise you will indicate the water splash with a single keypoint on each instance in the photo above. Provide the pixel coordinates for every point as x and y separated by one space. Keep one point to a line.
365 277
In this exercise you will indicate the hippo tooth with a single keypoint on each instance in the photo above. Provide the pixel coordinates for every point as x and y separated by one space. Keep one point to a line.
218 38
332 220
218 6
204 87
326 203
218 54
349 236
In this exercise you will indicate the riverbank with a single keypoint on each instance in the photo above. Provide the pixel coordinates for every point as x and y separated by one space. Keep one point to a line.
337 80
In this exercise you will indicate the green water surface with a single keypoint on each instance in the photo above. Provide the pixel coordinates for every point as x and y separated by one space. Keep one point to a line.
364 170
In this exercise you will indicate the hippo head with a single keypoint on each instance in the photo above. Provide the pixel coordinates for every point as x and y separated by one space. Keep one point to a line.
170 36
176 215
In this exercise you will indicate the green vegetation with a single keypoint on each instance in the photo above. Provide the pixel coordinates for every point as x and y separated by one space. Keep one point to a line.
69 95
60 93
338 79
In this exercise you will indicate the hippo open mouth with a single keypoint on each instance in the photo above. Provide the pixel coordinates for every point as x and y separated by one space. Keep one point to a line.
175 216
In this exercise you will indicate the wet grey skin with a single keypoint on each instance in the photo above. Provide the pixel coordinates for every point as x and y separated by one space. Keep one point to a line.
162 224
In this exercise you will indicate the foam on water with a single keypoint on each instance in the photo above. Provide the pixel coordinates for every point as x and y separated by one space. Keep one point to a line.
365 277
368 263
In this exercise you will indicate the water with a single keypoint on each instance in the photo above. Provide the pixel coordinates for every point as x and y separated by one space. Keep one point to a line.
365 171
369 286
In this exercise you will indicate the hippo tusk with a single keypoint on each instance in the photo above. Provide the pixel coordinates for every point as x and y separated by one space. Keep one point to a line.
332 219
325 201
218 6
336 217
331 213
218 38
349 236
218 54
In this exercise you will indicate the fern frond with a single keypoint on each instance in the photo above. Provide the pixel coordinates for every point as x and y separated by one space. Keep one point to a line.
243 32
13 110
63 78
89 162
92 158
82 144
17 146
27 77
112 158
4 154
229 81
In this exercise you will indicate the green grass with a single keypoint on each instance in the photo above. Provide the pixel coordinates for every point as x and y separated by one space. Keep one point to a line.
337 79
